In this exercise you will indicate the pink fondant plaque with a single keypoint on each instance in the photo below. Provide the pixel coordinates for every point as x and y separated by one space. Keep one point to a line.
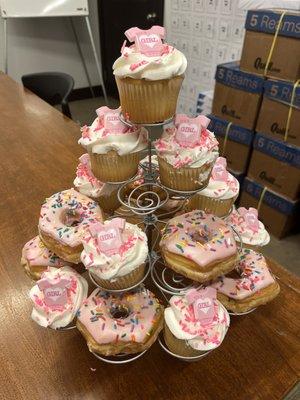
55 293
250 217
203 304
219 172
148 42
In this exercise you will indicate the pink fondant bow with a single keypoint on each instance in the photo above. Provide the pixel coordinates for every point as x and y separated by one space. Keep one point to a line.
219 172
149 41
111 119
203 301
251 217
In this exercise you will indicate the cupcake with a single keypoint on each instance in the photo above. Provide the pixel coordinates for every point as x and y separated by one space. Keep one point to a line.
57 297
36 258
186 153
105 194
149 75
114 148
220 194
249 229
115 254
195 322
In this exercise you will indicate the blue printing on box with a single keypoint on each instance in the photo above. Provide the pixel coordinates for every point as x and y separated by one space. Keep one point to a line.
273 200
229 74
266 21
236 133
282 91
282 151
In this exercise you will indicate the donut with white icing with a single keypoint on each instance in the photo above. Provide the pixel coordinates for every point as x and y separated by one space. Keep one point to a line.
252 286
63 220
199 246
120 323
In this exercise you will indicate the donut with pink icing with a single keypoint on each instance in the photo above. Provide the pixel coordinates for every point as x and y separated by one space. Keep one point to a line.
63 221
36 258
120 323
252 285
199 246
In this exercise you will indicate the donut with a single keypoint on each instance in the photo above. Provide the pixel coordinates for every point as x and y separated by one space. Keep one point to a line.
57 297
36 258
63 220
253 285
120 323
198 246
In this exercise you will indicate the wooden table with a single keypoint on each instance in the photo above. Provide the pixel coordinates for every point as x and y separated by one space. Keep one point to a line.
259 358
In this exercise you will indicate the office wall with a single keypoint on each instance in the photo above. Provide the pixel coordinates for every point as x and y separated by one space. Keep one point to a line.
48 44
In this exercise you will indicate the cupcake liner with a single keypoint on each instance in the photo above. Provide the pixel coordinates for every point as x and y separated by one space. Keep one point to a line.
111 167
218 207
183 179
108 200
145 101
122 282
179 346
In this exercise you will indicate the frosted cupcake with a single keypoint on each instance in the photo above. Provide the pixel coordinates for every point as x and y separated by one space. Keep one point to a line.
57 297
220 194
36 258
149 75
250 230
114 148
195 322
115 253
186 153
105 194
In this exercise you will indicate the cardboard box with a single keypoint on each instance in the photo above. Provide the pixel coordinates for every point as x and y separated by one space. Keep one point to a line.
237 95
276 165
275 108
278 213
239 143
260 27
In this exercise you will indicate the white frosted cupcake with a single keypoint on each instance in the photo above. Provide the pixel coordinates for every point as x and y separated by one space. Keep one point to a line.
86 183
114 148
149 74
115 253
220 194
195 322
57 297
251 231
186 153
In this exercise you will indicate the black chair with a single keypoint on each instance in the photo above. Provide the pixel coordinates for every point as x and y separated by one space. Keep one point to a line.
53 87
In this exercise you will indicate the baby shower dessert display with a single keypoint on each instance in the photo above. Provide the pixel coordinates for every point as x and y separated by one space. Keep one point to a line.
182 231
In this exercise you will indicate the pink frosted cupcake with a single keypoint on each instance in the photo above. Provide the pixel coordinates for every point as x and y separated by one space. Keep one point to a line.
105 194
220 194
114 148
186 153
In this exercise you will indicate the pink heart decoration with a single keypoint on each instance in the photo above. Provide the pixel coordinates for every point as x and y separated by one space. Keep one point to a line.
219 172
203 301
148 42
55 293
251 217
112 122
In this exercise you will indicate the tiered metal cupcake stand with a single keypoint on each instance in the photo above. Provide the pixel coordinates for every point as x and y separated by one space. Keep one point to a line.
144 201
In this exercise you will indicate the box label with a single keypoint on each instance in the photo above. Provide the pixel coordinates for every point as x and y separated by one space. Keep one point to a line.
267 21
273 200
229 74
282 91
281 151
236 133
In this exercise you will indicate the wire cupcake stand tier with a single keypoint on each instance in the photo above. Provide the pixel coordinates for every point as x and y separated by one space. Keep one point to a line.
145 199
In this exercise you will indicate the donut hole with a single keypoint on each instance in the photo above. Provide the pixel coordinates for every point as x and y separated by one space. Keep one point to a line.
71 217
200 236
119 311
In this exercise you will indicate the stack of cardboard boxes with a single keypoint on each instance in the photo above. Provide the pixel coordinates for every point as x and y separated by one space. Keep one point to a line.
256 109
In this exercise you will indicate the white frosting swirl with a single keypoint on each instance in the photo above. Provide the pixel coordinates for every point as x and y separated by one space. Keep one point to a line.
181 321
179 156
134 64
132 254
59 317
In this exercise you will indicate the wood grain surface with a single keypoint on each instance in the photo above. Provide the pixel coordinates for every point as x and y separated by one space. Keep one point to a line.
259 358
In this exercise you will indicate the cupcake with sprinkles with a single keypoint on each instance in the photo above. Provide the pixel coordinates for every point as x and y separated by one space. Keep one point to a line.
105 194
57 297
220 194
115 148
195 322
63 220
115 254
248 228
186 153
36 258
251 285
120 323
